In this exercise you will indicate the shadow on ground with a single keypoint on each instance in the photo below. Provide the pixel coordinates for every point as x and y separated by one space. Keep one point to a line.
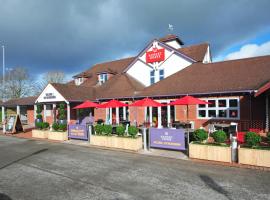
4 197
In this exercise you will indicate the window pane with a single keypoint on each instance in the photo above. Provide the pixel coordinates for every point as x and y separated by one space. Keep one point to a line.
212 113
161 77
233 113
212 103
233 103
222 113
152 80
201 105
152 73
202 113
161 72
222 103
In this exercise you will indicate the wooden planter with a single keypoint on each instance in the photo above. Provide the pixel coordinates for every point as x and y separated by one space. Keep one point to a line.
257 157
57 135
36 133
209 152
133 144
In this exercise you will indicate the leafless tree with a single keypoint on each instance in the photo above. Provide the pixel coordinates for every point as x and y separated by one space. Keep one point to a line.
50 77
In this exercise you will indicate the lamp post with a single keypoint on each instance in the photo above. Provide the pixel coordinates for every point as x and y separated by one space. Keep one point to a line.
3 83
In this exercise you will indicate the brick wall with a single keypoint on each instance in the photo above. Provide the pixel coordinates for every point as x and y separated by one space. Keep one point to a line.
30 115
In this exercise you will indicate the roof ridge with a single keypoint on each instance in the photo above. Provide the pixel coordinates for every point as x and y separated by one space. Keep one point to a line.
240 59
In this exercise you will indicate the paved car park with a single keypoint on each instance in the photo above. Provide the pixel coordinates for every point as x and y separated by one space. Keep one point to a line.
31 169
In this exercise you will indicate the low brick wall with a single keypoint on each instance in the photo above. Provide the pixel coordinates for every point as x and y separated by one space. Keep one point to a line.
57 135
40 133
255 157
134 144
209 152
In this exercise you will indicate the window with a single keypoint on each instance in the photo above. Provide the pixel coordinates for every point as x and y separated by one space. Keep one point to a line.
103 78
219 108
161 74
152 77
79 81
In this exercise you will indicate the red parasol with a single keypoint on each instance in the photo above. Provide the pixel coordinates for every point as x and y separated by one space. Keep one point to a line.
146 102
86 104
188 100
113 104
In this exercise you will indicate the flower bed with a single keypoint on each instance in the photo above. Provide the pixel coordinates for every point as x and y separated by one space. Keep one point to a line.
36 133
58 135
128 143
221 153
254 156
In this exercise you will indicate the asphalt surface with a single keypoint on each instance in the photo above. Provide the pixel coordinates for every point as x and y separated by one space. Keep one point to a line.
41 170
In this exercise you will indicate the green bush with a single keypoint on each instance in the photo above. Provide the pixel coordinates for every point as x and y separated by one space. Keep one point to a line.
107 129
252 139
99 129
219 136
39 108
120 130
133 131
200 135
39 125
62 127
55 126
62 112
39 116
45 125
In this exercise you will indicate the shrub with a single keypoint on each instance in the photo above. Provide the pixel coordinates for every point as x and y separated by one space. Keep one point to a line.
219 136
39 108
39 116
107 129
99 129
39 125
252 139
100 121
62 112
120 130
200 135
45 125
62 127
133 131
55 126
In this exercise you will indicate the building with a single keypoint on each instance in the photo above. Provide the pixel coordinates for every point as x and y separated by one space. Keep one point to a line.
166 69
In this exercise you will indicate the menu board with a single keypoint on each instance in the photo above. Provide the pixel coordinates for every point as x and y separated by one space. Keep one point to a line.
14 124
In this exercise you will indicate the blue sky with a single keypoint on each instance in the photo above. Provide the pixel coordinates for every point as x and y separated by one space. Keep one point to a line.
71 36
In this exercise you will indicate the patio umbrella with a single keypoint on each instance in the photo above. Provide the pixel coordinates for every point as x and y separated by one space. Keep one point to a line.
146 102
86 104
188 100
113 104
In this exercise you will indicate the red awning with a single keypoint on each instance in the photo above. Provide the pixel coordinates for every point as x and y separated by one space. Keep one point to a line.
188 100
113 104
146 102
86 104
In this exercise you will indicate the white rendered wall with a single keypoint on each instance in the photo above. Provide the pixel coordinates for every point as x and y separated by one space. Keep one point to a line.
174 44
207 57
50 94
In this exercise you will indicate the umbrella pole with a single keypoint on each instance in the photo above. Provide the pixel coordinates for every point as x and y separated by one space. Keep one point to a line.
187 134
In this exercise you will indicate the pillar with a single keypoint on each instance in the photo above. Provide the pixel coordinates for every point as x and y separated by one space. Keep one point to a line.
125 113
44 112
18 110
145 114
151 115
267 113
3 119
159 117
54 112
68 112
117 115
168 115
110 115
107 115
35 112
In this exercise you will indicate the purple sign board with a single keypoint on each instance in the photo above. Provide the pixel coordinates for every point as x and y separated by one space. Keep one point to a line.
77 131
166 138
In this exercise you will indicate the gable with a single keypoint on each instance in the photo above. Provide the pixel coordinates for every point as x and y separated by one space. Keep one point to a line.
157 56
50 94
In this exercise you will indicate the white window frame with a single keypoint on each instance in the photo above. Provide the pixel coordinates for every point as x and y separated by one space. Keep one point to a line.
102 78
216 108
152 76
163 76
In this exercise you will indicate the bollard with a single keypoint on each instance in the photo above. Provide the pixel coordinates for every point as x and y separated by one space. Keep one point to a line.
144 140
234 149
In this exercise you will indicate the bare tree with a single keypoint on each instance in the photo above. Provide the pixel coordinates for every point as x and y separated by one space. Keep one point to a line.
17 84
50 77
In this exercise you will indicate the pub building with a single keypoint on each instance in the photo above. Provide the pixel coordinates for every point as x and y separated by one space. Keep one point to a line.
164 70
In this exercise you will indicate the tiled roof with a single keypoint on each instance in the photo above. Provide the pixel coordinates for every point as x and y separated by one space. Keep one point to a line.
24 101
171 37
226 76
196 52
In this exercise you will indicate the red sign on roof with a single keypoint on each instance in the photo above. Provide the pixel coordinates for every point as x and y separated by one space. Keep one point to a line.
156 55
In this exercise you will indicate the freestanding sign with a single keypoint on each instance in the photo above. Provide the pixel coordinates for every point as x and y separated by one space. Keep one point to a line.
156 55
77 131
165 138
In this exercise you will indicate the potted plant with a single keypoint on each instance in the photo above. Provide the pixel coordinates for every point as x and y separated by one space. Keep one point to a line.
58 132
41 131
120 130
38 114
62 114
133 131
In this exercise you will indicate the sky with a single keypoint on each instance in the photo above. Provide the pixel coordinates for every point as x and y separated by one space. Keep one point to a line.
71 36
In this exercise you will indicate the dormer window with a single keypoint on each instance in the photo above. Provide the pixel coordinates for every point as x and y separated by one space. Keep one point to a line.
102 78
79 80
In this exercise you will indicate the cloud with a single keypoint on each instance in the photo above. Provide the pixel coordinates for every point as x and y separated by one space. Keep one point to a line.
73 35
250 50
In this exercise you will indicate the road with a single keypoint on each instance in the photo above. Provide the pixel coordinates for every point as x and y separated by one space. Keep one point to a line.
41 170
